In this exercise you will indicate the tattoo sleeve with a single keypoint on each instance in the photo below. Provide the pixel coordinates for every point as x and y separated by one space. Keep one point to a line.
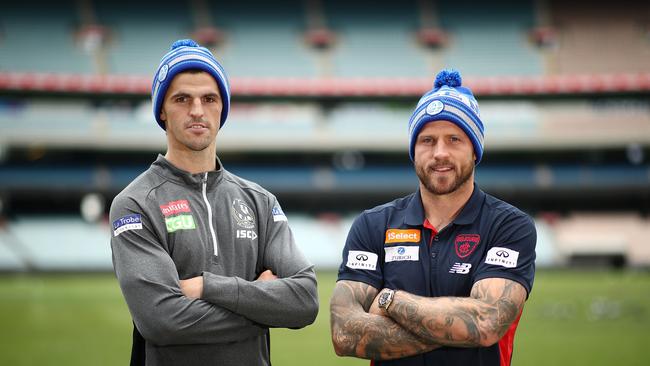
477 321
357 333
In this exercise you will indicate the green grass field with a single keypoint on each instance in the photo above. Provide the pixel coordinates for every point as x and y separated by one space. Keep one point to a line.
572 318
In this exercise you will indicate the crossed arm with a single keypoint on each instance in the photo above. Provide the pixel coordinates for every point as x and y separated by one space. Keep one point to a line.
193 287
415 324
356 332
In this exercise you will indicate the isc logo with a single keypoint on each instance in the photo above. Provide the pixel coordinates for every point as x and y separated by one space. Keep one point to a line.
246 234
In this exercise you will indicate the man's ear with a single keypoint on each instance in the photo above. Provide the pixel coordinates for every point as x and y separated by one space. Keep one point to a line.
163 115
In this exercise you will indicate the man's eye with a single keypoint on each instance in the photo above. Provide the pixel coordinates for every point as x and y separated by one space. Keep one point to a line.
180 99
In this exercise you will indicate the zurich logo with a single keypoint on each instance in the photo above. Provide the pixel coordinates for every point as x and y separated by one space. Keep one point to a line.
435 107
401 250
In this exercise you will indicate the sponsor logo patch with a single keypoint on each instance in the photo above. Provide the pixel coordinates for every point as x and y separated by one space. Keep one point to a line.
163 73
243 214
502 257
402 253
246 234
175 207
435 107
128 222
358 259
402 236
180 222
278 215
460 268
465 244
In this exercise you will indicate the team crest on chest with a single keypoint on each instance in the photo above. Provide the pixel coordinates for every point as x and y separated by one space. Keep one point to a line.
243 214
465 244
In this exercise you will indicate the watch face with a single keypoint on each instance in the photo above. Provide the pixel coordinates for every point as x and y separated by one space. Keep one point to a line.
383 299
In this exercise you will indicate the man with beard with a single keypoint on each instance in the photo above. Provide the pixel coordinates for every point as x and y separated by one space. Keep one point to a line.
438 277
206 260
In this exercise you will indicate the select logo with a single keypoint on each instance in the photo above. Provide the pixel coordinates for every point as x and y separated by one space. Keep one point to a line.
402 236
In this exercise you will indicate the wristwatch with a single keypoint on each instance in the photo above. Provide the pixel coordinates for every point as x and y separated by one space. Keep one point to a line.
385 298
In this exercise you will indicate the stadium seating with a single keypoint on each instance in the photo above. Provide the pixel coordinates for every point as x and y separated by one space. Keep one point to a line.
490 45
10 256
42 41
290 143
603 235
596 38
60 243
141 32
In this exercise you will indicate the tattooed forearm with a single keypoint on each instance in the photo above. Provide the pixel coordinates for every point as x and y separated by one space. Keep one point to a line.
477 321
355 332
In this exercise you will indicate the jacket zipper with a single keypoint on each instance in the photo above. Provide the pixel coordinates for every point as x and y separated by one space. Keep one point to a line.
207 203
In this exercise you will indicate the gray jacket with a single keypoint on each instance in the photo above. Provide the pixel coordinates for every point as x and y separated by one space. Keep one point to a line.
170 225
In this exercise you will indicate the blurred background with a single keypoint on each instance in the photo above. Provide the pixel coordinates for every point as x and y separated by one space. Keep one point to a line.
322 94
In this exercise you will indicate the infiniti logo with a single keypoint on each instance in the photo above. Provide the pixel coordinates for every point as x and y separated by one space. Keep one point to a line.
503 253
362 257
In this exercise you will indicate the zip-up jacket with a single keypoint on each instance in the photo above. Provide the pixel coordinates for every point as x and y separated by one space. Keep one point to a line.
170 225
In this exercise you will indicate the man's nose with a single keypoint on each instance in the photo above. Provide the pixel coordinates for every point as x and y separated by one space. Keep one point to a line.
197 108
440 150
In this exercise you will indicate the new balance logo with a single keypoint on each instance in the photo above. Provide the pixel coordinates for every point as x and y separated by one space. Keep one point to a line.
461 268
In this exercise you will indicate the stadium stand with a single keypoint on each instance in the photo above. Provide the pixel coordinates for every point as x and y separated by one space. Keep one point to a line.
266 42
491 45
563 91
139 31
613 239
374 37
78 245
41 41
10 258
596 38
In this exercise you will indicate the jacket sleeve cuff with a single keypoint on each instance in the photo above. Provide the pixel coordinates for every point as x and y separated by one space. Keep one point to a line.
221 291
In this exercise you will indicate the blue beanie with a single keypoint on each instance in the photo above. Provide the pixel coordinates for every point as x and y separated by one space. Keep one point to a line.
448 101
185 54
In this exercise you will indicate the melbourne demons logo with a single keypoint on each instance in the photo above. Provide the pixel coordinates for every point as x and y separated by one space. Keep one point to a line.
466 243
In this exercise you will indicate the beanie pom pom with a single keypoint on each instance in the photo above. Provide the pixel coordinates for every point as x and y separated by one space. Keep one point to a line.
449 78
184 43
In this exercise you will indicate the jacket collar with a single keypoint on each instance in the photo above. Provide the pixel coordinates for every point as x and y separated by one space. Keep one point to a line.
167 170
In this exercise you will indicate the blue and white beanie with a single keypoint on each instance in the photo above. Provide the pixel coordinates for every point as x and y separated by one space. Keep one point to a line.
185 54
448 101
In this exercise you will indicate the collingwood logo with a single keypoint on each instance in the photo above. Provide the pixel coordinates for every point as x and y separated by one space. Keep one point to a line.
243 214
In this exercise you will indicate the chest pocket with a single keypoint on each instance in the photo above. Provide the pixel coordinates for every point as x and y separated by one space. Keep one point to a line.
403 269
